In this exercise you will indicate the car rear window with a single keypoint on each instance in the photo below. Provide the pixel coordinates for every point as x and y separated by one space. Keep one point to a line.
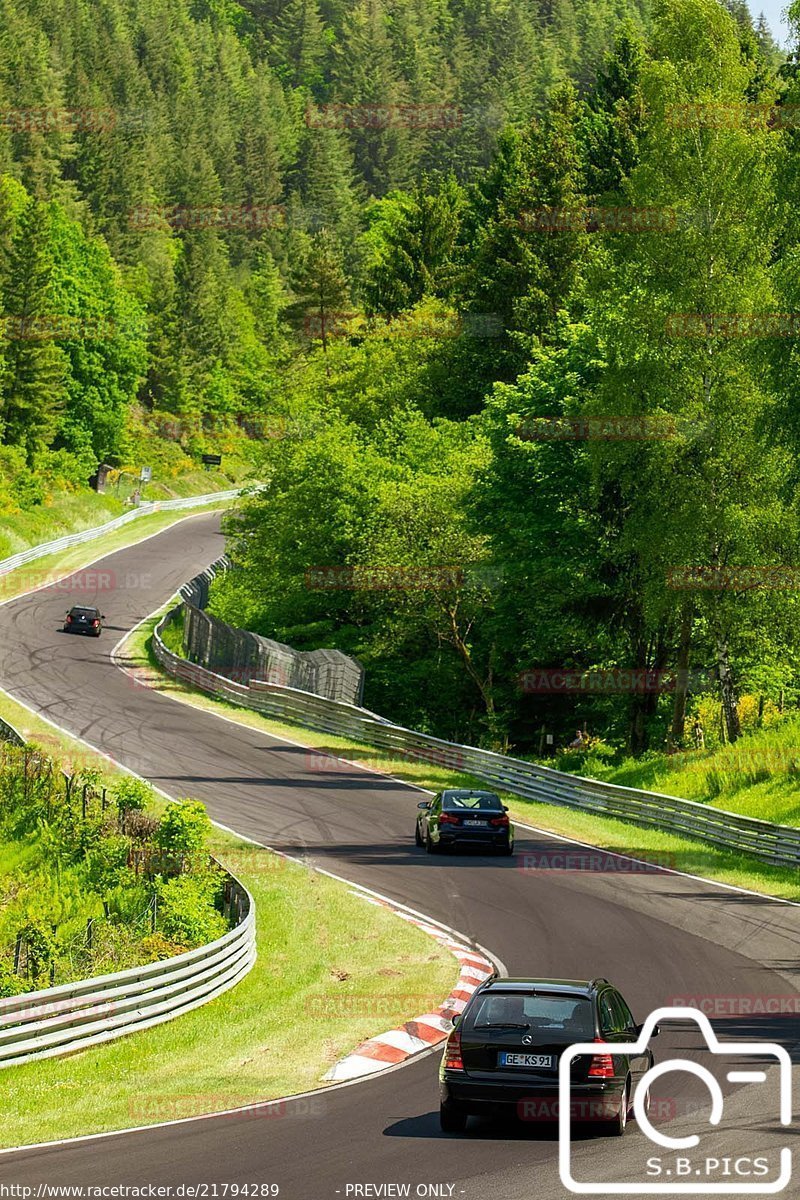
77 611
487 801
551 1013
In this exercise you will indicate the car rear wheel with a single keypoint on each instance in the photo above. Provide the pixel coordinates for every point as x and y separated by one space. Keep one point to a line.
452 1119
430 845
616 1127
507 849
418 835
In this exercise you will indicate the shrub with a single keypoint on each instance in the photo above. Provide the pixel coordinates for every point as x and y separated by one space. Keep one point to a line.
107 863
157 947
187 912
140 825
132 795
181 835
10 984
38 944
592 760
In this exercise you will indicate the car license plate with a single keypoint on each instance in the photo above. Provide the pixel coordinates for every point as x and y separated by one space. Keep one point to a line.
511 1059
481 823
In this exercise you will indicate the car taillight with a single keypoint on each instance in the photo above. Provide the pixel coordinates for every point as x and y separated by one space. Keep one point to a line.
447 819
602 1065
69 620
499 820
95 623
452 1053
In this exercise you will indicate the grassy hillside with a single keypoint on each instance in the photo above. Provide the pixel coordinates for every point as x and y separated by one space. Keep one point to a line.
758 776
58 507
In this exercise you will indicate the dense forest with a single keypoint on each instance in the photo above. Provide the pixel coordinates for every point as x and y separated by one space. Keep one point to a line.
504 291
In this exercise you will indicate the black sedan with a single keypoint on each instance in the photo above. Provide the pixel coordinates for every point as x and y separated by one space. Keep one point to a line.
84 619
461 816
504 1051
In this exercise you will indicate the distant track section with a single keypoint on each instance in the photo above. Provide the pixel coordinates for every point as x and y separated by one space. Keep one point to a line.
89 535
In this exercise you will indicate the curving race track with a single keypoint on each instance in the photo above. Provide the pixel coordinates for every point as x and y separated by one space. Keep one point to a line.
656 935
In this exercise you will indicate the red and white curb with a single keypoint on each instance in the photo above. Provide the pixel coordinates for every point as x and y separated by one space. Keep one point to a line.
412 1037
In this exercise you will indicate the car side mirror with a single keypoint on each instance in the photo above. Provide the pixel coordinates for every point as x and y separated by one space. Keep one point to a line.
424 804
505 808
653 1033
102 616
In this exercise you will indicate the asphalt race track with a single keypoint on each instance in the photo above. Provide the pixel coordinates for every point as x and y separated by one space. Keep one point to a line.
656 935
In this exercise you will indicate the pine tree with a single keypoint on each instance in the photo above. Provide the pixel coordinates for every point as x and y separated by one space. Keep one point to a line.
414 245
32 384
321 285
300 45
613 122
324 180
267 298
366 82
520 266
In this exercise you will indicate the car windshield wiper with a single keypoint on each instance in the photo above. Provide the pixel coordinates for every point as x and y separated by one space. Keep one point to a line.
503 1025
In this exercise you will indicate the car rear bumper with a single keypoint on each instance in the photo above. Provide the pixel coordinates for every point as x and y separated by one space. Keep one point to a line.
475 837
534 1102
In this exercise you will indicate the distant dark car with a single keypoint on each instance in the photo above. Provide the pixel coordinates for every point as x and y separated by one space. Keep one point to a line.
461 816
83 619
504 1051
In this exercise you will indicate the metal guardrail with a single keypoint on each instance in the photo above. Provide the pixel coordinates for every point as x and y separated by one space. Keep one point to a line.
9 734
775 844
72 1017
88 535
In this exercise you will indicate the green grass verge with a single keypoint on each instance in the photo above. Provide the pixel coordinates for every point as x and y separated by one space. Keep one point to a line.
624 837
312 996
758 776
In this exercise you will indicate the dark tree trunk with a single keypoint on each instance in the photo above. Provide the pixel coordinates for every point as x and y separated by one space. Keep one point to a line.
730 704
644 701
682 679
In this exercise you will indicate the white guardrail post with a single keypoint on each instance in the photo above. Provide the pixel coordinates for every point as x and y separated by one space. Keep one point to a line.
775 844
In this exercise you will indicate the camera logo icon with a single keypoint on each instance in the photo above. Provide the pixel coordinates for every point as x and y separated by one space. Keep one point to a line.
685 1175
